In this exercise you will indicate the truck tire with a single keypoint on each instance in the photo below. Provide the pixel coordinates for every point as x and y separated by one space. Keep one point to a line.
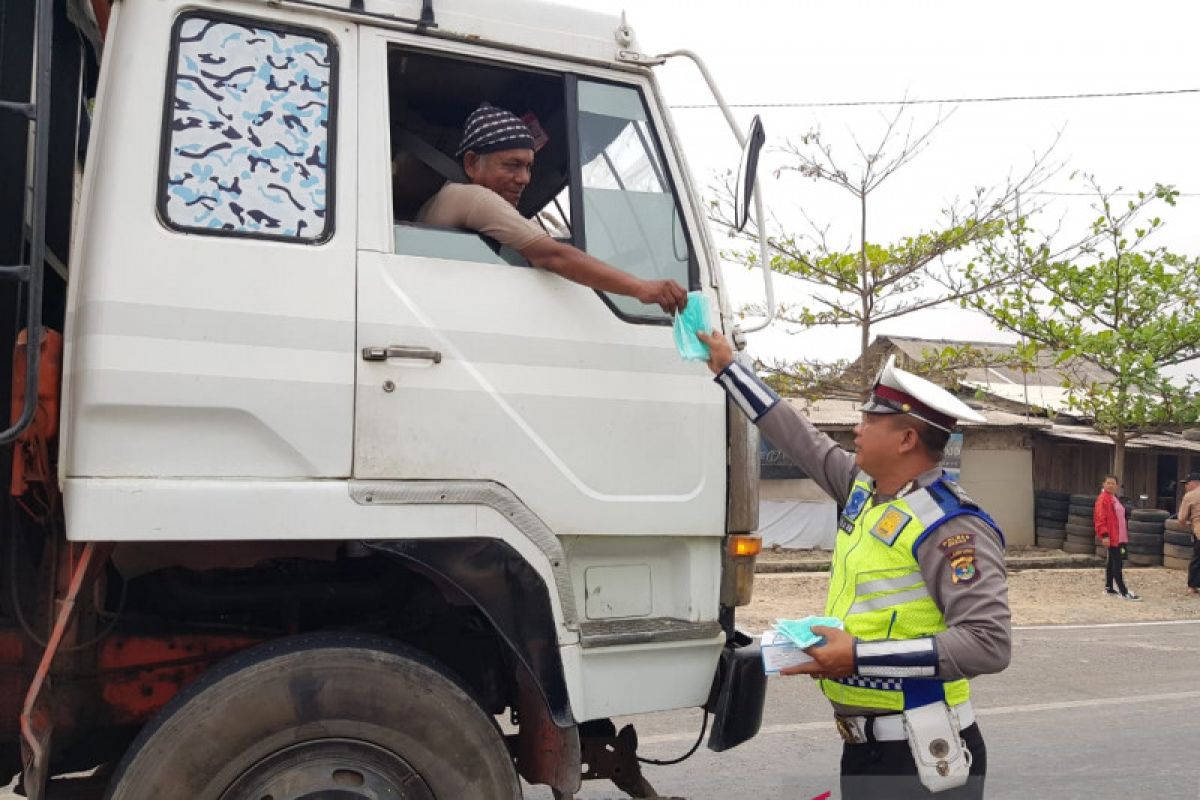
1170 562
320 715
1175 525
1050 494
1149 514
1078 549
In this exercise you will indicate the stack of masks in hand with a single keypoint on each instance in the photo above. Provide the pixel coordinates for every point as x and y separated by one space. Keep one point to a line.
783 646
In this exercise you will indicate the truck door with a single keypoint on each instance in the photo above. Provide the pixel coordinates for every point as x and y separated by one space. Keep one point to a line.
474 365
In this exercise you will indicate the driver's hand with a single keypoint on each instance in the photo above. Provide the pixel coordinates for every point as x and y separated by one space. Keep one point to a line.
667 295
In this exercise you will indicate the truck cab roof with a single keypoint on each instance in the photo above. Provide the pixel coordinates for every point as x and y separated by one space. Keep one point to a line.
529 25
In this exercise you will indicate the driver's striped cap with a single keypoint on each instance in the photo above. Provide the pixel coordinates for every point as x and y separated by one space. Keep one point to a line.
490 129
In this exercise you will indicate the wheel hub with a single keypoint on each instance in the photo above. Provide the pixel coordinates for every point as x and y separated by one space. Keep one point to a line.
330 769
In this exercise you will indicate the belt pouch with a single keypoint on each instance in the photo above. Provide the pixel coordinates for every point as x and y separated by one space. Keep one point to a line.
942 758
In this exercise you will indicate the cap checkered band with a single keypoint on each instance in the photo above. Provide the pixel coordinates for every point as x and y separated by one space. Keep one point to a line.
884 684
490 129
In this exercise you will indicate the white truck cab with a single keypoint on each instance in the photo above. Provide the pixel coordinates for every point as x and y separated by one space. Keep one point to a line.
350 458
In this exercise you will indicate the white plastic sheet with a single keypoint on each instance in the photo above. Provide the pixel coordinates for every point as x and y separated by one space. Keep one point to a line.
796 524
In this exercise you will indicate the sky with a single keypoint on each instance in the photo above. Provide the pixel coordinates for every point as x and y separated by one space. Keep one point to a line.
769 51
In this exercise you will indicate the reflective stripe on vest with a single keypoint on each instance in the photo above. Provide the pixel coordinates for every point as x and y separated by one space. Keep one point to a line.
877 590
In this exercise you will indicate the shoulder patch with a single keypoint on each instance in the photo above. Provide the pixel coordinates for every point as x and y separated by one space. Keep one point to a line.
960 556
890 525
962 566
958 540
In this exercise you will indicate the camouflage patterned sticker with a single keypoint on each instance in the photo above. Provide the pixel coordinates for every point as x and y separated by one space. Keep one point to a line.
249 131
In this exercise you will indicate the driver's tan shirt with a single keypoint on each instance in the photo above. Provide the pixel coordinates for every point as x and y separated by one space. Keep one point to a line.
478 208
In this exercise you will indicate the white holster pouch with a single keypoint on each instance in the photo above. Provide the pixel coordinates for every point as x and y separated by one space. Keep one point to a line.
942 758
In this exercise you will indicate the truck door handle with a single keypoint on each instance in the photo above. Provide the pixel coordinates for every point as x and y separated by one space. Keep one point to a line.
400 351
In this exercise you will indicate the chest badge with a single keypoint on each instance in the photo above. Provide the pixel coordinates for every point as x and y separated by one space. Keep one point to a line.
854 507
890 525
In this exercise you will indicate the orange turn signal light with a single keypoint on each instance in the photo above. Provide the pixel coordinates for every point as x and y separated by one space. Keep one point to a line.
741 545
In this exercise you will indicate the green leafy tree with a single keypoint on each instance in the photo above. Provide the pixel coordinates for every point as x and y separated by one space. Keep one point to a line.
868 282
1112 300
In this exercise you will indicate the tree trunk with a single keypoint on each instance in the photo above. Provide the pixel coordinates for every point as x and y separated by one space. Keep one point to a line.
867 374
1118 467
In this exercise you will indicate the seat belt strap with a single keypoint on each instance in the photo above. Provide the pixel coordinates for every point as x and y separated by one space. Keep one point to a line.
433 158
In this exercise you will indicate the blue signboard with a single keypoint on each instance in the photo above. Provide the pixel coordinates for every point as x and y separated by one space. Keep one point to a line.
952 457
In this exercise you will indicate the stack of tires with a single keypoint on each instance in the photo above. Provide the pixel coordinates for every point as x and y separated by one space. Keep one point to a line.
1145 547
1177 545
1080 530
1050 509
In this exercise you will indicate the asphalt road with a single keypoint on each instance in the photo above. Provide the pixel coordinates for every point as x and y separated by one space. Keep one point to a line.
1091 712
1082 712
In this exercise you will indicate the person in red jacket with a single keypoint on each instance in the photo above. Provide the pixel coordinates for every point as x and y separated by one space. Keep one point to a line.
1109 518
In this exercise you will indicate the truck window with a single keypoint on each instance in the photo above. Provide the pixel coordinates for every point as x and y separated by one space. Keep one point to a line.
248 131
630 215
600 161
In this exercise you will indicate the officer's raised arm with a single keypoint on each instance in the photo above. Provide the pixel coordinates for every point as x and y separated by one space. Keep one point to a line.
831 467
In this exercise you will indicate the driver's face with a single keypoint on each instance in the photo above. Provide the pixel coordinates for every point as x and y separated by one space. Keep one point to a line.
505 172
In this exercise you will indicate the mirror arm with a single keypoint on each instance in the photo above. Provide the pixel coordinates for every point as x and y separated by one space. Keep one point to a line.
763 250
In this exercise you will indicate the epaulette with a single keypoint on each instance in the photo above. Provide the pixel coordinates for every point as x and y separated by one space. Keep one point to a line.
959 494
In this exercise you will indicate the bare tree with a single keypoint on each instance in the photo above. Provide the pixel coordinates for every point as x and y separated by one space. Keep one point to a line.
866 282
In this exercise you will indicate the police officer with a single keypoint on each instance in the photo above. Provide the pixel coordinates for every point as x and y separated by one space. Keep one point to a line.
918 580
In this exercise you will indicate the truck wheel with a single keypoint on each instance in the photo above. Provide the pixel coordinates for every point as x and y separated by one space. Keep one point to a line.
320 716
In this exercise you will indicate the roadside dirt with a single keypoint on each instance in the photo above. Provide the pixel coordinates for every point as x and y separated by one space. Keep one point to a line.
1037 597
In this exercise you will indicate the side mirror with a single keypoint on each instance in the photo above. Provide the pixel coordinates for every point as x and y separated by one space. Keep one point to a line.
747 174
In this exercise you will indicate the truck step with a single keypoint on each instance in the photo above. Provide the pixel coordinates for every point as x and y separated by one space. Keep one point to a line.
644 630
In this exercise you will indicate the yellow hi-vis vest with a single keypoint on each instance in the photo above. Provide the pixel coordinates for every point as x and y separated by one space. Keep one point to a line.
877 590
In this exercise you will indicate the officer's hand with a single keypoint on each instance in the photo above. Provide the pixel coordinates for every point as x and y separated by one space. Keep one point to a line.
834 659
668 295
720 352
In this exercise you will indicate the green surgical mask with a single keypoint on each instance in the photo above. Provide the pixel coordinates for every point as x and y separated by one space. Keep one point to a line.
697 317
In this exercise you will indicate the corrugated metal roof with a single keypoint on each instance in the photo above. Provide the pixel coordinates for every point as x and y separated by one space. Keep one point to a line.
1169 441
1045 373
1051 398
1161 441
845 413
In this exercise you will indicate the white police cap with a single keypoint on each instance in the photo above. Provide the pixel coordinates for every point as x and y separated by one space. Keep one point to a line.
900 392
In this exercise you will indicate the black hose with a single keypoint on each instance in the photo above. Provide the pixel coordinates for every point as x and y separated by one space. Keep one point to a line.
685 756
19 611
